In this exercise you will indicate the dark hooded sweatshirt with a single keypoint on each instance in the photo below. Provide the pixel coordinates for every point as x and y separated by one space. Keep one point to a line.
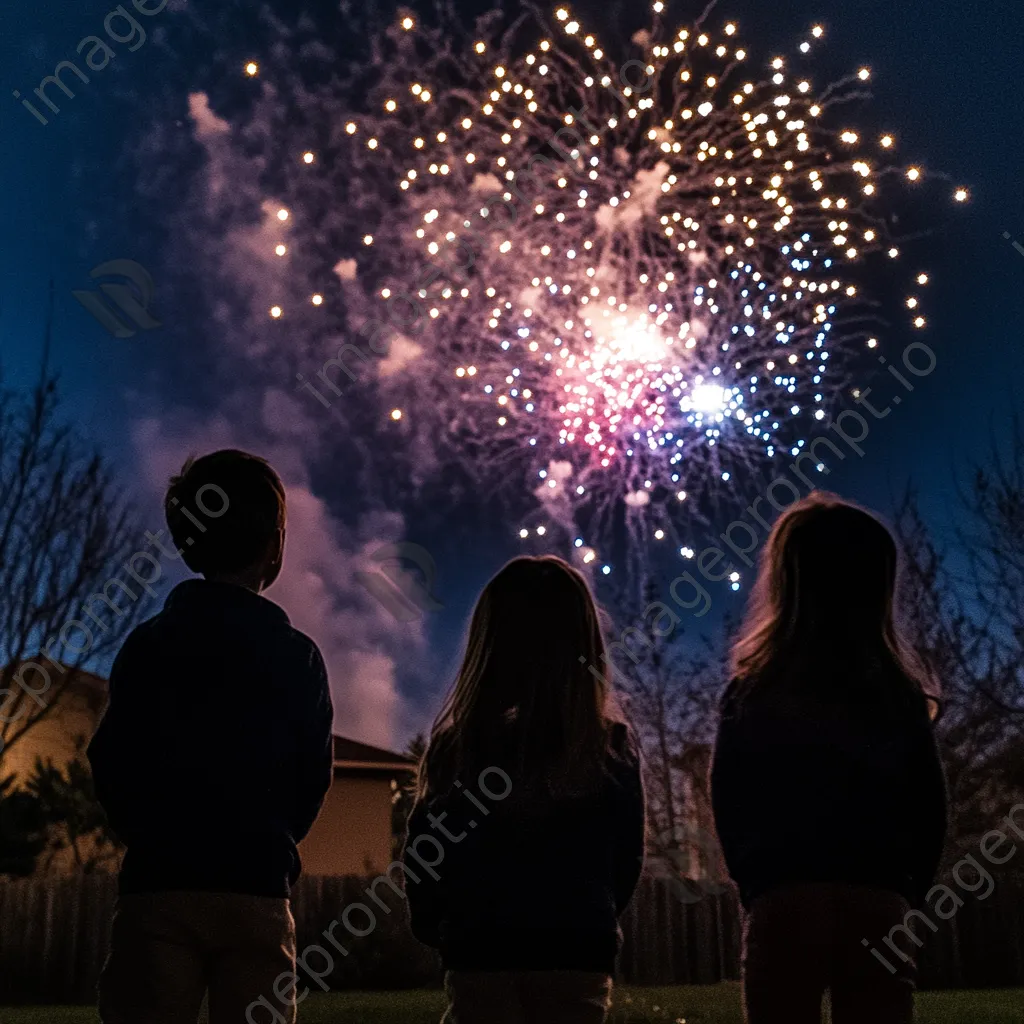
214 754
536 883
828 788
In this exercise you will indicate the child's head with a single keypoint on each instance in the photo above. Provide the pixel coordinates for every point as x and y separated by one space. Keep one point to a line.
534 668
824 595
226 513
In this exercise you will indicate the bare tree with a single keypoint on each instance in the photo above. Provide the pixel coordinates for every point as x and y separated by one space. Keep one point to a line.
992 540
670 688
964 610
65 532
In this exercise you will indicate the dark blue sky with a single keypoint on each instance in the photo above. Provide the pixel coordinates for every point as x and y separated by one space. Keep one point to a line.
947 78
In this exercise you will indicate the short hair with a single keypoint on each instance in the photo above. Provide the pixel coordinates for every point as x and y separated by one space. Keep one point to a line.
224 510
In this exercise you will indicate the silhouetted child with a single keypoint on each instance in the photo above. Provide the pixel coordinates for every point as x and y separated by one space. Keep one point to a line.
828 792
531 793
212 761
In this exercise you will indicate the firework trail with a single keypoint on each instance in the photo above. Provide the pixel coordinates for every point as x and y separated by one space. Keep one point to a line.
613 289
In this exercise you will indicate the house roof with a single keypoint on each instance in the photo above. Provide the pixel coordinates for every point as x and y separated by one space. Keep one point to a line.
68 682
81 675
356 756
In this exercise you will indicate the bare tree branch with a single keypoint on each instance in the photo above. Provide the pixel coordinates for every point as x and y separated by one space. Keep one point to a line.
65 532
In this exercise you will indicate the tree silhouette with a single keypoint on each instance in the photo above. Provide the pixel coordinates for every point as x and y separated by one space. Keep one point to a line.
71 815
964 611
22 830
65 532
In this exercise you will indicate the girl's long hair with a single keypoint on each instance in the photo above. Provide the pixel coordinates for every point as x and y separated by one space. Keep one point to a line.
531 694
822 610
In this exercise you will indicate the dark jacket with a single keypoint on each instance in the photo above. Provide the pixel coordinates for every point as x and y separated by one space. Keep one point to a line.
214 754
535 884
819 789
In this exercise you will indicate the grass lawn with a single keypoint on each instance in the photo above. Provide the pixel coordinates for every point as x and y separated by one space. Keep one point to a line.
711 1004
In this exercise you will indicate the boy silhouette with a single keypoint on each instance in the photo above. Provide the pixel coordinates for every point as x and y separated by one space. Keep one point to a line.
212 761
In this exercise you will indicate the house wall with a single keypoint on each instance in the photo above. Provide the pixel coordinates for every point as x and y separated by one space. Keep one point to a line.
352 835
60 734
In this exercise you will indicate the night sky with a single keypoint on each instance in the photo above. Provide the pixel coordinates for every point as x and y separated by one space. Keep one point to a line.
947 79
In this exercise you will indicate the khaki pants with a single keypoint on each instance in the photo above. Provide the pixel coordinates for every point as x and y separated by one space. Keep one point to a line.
802 939
527 997
167 949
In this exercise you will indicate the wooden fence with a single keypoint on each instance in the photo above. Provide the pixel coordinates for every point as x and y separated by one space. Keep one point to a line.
53 938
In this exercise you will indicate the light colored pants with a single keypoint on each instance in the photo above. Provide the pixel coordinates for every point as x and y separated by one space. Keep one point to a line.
802 939
168 949
527 997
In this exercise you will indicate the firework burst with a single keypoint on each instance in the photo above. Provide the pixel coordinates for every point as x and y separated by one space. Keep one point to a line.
622 284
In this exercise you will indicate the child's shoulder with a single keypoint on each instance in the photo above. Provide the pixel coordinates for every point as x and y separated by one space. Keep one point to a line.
300 657
730 700
140 638
276 631
306 648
